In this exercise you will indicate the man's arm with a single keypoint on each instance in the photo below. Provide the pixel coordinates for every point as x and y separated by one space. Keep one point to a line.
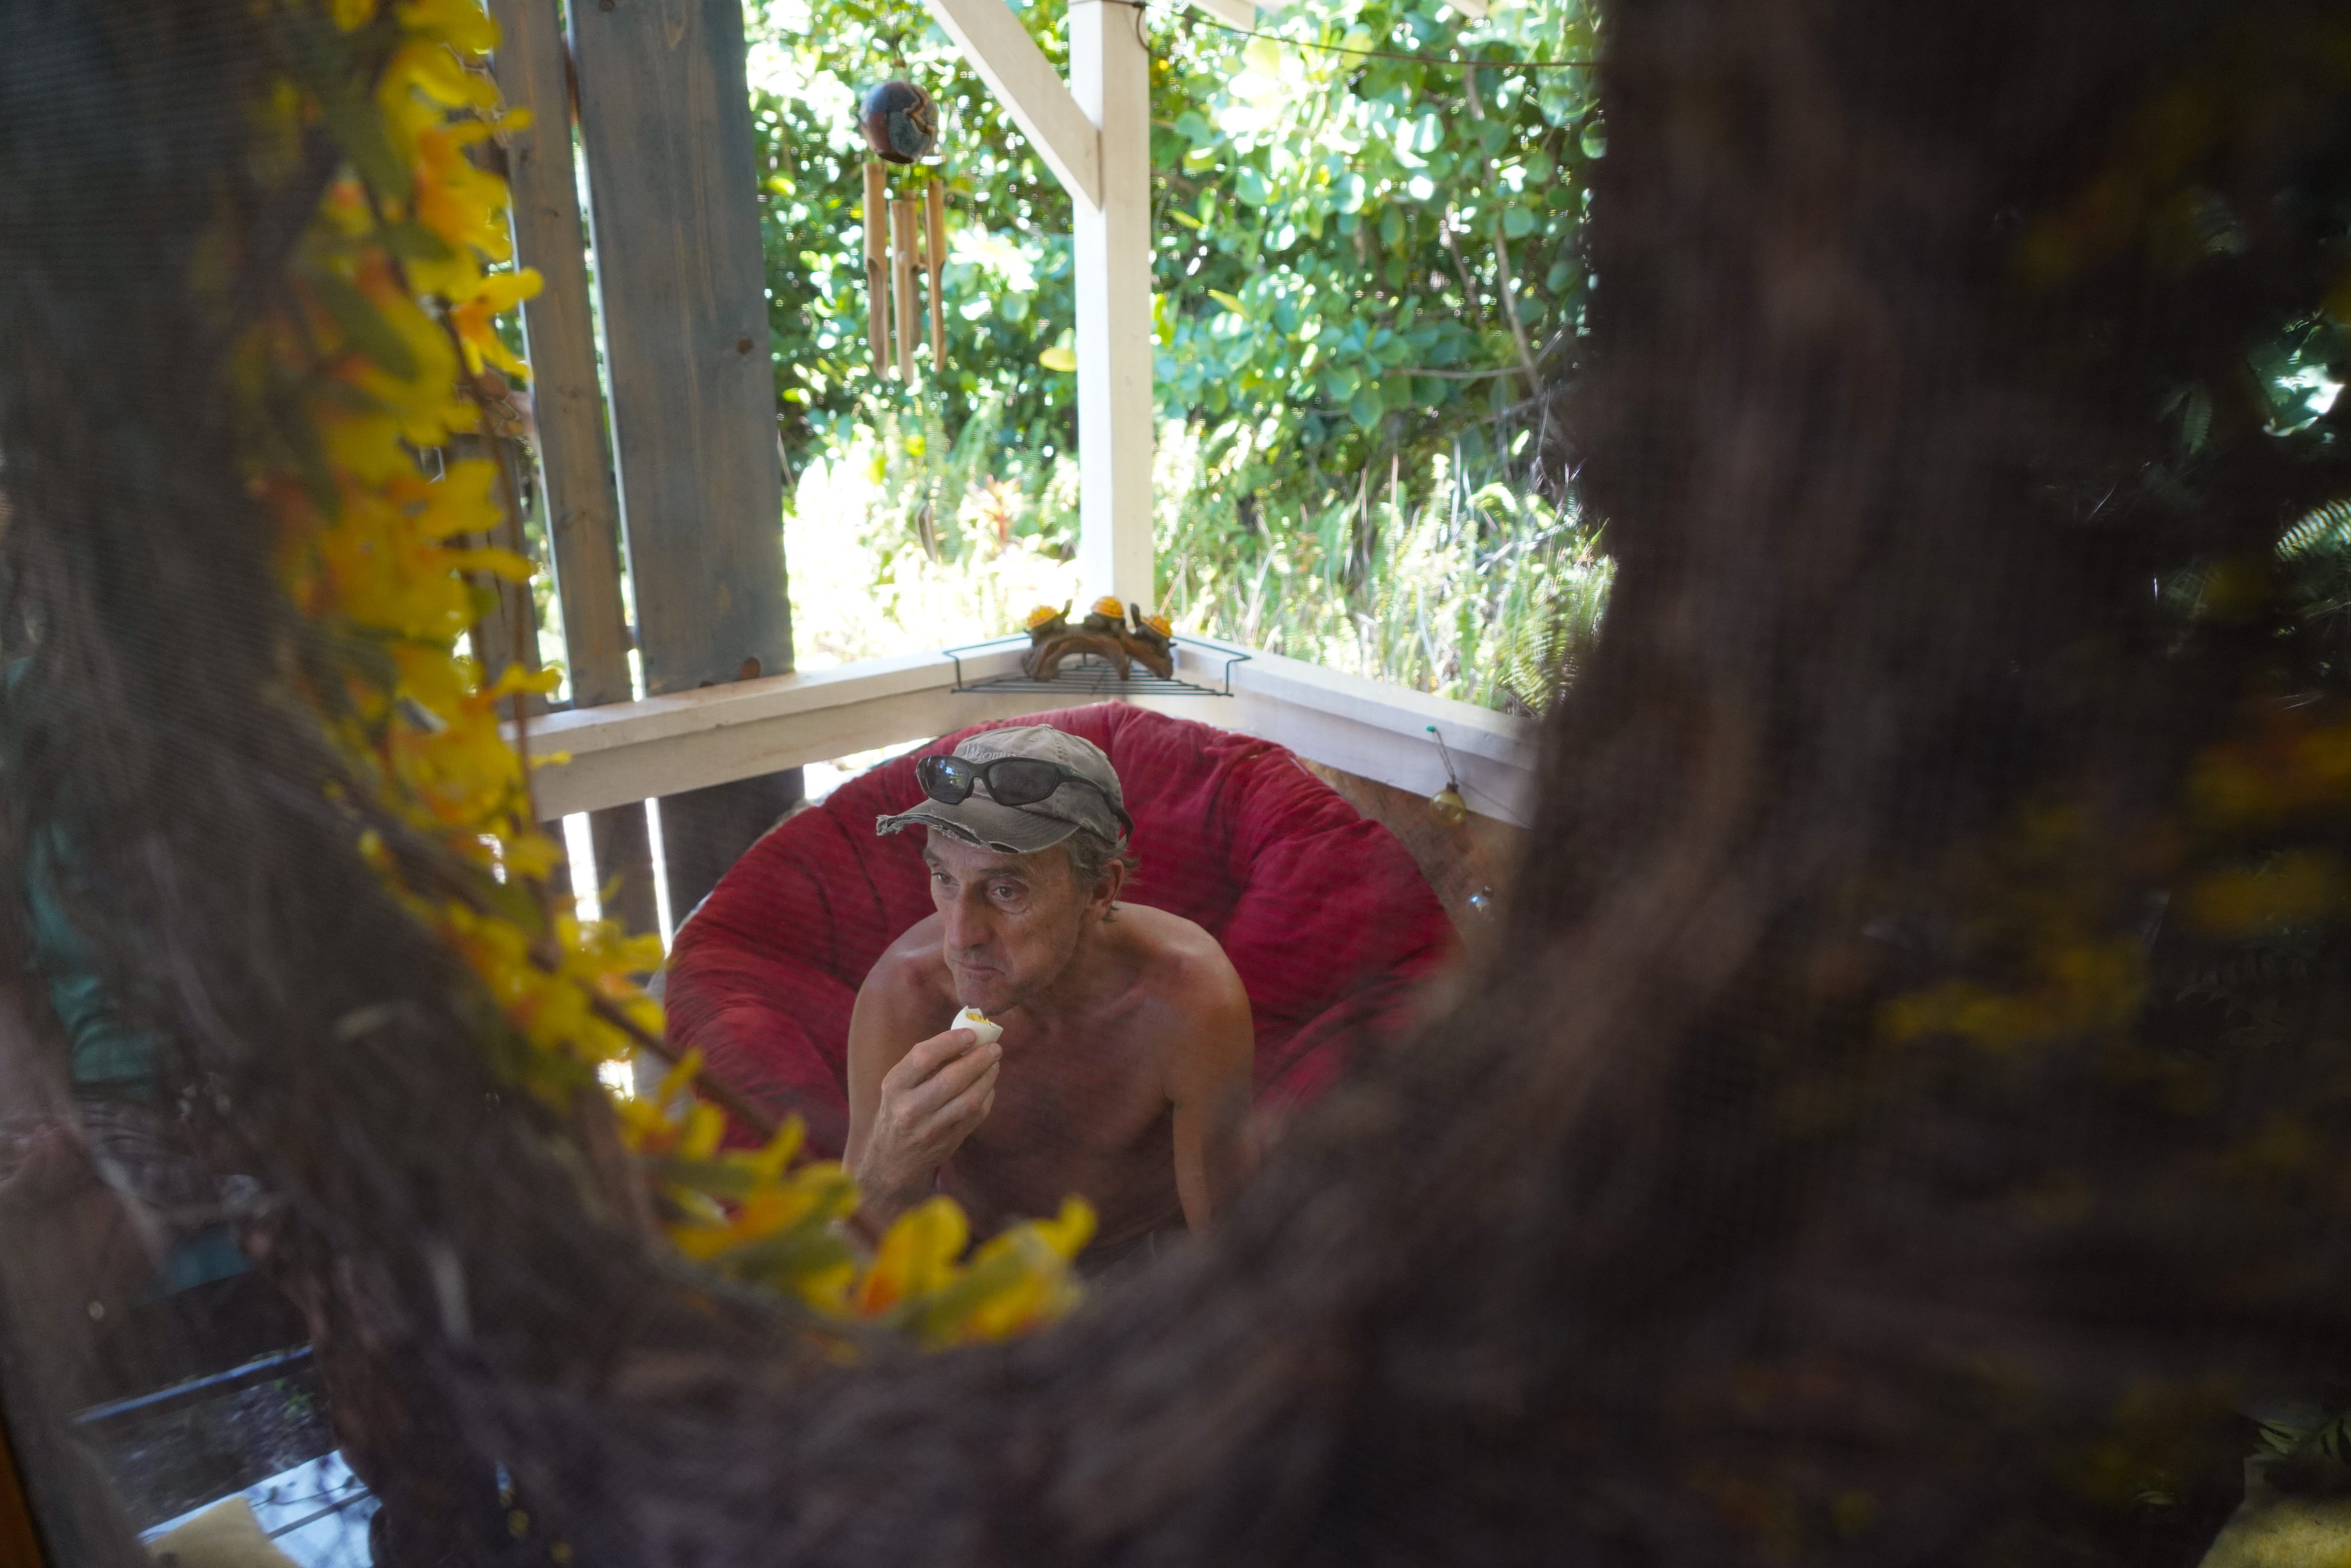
912 1100
1209 1080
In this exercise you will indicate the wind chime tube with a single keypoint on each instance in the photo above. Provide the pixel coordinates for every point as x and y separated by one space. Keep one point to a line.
934 257
902 271
877 268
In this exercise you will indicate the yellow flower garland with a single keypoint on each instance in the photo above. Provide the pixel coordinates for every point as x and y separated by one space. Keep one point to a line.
380 347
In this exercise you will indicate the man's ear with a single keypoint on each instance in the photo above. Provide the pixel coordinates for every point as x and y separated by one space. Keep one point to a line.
1105 891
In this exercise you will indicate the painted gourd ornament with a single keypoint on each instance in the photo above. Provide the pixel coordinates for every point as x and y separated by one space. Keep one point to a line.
900 123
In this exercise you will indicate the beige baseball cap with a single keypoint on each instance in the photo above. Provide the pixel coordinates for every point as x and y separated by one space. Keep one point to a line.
1091 800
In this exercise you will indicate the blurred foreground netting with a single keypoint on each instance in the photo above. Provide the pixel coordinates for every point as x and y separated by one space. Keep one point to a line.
1904 1114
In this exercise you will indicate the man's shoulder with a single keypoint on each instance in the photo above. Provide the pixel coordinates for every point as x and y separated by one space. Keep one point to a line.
911 961
1183 961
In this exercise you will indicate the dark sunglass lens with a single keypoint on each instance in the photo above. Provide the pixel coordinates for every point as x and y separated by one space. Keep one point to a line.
947 779
1016 781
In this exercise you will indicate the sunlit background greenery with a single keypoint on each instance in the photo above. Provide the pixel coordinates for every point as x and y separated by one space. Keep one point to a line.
1364 264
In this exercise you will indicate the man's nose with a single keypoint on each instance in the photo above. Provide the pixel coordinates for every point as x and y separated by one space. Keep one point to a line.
967 925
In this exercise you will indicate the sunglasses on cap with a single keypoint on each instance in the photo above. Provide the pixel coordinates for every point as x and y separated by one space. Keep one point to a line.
1010 780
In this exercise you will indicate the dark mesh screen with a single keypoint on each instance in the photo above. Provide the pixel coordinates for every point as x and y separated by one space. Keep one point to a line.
1903 1117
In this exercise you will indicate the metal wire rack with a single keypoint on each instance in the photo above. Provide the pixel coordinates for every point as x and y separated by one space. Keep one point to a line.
1087 678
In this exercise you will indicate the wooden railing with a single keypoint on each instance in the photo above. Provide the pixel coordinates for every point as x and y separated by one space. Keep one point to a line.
687 740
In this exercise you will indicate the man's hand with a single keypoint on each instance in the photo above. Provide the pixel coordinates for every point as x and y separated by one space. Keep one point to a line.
931 1101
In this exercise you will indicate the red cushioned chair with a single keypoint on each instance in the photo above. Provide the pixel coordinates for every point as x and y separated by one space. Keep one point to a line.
1322 913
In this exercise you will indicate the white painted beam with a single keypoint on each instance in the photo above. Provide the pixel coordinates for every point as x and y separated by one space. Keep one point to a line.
1110 74
1017 71
1239 13
687 740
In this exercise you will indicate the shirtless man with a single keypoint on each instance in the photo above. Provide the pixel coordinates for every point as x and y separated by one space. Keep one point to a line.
1124 1071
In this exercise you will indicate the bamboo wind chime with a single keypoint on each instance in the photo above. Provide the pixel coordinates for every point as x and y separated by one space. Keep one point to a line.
898 246
900 125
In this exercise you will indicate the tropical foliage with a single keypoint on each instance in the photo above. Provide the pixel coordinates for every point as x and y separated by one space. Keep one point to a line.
1363 265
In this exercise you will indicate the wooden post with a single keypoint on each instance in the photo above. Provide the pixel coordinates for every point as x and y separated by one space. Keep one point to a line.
575 472
1095 135
935 261
665 122
877 267
1109 76
902 283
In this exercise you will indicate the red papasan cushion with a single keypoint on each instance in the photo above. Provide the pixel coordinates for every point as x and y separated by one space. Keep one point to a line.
1321 911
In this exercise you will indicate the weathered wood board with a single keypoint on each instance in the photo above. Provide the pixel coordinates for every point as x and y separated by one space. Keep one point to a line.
582 506
665 123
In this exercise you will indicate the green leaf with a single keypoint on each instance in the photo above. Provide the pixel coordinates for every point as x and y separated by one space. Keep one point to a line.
1517 222
354 124
1366 407
414 242
715 1177
370 333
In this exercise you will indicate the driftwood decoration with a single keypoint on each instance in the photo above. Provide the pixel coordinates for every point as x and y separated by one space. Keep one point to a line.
1121 635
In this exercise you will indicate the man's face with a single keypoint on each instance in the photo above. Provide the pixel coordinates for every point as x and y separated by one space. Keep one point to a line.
1011 922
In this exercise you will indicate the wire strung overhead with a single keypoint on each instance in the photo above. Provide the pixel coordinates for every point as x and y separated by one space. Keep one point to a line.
1201 21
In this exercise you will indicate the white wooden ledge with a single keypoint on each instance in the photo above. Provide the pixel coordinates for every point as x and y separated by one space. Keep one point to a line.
667 745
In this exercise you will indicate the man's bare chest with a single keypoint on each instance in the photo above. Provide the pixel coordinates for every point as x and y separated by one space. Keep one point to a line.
1098 1097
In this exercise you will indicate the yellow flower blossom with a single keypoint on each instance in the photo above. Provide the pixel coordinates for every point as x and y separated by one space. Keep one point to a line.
916 1257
